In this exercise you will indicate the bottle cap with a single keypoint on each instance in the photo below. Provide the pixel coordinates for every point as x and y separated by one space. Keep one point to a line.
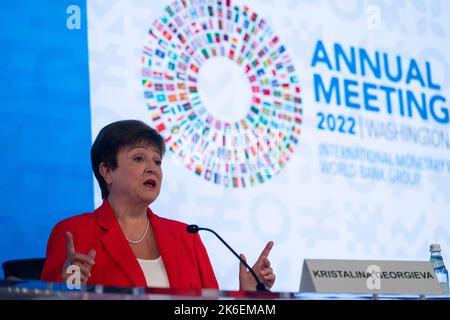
435 247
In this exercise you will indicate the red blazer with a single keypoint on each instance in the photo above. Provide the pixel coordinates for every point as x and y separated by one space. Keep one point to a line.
184 255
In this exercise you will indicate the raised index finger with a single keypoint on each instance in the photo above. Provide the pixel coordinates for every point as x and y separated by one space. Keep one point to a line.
266 251
70 247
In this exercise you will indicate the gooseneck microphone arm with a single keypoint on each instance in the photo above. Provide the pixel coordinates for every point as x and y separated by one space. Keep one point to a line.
193 228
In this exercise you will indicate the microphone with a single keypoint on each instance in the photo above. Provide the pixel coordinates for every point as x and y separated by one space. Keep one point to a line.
193 228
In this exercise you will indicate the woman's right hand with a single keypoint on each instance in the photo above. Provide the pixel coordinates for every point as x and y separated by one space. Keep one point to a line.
83 261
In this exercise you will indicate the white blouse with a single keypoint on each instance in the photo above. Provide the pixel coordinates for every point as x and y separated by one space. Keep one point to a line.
155 273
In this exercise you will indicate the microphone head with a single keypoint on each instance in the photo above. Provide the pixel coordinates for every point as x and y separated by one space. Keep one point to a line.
192 228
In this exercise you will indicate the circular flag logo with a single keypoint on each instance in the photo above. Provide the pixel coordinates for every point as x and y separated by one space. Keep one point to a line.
235 153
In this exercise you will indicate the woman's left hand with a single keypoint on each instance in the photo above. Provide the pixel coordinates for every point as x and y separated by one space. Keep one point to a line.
262 269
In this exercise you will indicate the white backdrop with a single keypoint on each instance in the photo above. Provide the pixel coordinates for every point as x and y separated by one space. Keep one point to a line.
308 212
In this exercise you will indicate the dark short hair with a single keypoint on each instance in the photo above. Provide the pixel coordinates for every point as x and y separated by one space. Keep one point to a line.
116 136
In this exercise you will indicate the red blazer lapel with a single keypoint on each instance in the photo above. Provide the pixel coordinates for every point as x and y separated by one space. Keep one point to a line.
117 246
169 250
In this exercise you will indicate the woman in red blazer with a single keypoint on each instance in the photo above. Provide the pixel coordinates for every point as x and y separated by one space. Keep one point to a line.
123 243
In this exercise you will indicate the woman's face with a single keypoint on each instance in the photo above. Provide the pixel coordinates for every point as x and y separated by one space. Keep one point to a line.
138 176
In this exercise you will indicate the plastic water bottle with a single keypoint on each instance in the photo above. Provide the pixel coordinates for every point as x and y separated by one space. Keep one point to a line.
439 268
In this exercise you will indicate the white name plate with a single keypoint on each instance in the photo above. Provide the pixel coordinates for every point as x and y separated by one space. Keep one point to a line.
369 276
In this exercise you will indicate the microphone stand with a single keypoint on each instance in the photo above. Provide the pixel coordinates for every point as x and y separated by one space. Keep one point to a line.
195 229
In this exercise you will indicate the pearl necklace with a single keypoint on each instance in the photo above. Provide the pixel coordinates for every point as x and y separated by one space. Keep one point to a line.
142 237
